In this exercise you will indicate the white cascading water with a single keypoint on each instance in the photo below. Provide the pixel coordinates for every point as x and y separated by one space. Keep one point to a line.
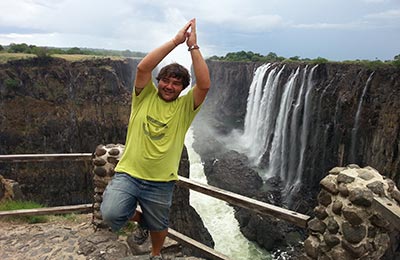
305 127
218 216
354 130
280 149
254 98
277 122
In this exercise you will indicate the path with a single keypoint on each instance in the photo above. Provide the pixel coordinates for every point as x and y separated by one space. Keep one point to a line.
67 239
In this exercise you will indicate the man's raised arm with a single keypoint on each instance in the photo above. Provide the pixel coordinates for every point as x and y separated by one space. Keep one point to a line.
199 66
153 58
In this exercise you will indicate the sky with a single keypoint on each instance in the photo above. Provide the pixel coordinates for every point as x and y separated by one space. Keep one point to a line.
336 29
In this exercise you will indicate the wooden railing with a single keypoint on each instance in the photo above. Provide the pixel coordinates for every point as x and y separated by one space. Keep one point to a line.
230 197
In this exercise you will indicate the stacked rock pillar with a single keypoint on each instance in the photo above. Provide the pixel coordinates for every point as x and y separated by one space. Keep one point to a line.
105 159
346 225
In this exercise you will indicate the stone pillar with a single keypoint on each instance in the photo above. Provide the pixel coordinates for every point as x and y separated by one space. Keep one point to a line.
105 159
345 225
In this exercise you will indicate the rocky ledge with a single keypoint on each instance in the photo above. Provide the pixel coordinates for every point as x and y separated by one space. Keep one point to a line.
74 239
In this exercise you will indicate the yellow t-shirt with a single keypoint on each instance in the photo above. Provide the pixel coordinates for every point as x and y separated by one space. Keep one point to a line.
156 135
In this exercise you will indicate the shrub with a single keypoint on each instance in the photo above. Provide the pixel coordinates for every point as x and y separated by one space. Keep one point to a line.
11 83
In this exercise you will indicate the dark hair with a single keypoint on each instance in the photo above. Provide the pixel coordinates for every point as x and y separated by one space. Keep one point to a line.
177 71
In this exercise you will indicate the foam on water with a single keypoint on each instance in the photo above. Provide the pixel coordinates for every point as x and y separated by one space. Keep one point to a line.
218 216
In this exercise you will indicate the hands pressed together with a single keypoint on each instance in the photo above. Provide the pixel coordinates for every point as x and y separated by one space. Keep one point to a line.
185 35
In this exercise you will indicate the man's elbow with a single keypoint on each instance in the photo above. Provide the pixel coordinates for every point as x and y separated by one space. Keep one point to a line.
204 84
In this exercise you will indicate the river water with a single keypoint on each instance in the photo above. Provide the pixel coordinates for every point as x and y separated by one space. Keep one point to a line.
218 216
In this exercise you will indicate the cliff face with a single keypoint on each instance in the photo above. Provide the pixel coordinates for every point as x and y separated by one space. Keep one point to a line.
56 106
294 123
337 113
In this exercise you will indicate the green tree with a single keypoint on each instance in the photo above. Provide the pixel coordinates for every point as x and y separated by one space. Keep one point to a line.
19 48
297 58
396 60
74 50
1 48
320 60
40 52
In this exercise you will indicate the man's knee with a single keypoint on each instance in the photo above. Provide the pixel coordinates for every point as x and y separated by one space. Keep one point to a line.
111 217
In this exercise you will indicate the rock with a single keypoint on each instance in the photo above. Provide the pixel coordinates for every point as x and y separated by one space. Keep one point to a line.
343 190
355 251
378 221
329 184
353 234
351 215
324 198
365 174
316 225
344 178
320 212
337 207
311 247
331 240
377 188
361 197
231 167
332 225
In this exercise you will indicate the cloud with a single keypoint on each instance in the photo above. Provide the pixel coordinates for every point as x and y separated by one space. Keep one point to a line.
374 1
386 15
222 25
338 26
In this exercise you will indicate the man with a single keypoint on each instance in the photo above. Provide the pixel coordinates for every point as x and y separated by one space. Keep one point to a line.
158 123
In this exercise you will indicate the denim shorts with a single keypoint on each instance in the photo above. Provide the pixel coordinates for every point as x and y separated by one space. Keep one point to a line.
124 192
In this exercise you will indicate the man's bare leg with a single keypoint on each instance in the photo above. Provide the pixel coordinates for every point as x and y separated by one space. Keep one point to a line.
137 216
157 241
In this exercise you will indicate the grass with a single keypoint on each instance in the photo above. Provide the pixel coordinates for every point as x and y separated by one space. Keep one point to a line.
5 57
127 229
80 57
16 205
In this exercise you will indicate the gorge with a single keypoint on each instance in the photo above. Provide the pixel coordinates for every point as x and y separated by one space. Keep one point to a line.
266 130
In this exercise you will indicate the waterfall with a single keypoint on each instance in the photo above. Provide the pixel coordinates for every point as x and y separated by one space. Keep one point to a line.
277 122
278 165
253 100
305 127
354 130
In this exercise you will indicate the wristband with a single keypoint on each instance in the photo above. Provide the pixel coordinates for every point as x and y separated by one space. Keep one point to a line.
193 47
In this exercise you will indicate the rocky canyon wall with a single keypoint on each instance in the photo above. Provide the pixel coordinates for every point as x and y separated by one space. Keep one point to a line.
352 114
57 106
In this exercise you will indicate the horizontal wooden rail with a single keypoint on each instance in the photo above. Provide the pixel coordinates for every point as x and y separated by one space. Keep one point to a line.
185 240
181 238
46 157
230 197
246 202
389 209
47 211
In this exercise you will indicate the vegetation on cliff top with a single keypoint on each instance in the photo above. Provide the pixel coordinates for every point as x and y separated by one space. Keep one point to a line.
273 57
23 50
